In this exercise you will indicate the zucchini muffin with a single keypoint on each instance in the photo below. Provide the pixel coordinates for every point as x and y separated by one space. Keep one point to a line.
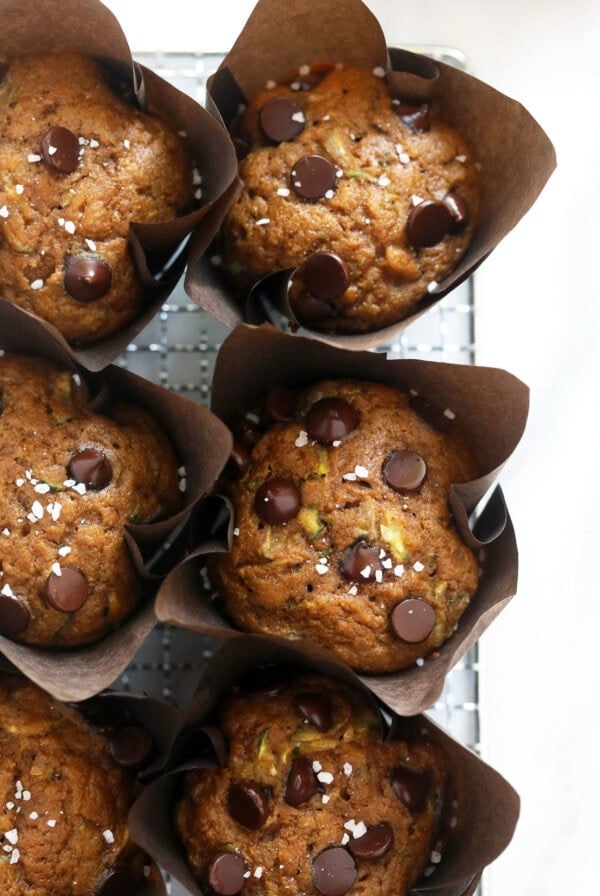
372 199
77 165
70 480
344 532
312 800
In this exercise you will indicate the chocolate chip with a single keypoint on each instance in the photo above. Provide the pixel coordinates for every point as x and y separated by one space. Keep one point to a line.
416 117
413 620
239 458
375 844
281 119
360 558
334 871
325 275
430 412
311 310
404 470
131 746
428 223
265 682
92 467
67 592
277 501
280 404
248 805
411 788
312 176
458 209
60 150
14 616
316 709
331 419
301 782
226 873
117 882
87 278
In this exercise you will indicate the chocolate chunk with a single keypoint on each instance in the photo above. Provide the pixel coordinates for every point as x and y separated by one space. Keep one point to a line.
226 873
334 871
325 275
92 467
316 709
416 117
404 470
311 310
411 788
131 746
312 176
277 501
60 150
331 419
67 592
117 882
428 223
360 563
375 844
430 412
87 278
281 119
280 404
413 620
458 209
14 616
301 782
248 805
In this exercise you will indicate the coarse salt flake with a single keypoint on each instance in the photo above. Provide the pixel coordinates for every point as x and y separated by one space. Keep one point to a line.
108 836
34 157
366 572
325 798
4 212
51 150
26 795
42 488
126 144
350 477
418 566
7 591
378 576
431 287
345 839
37 284
37 510
56 569
347 768
399 570
34 816
449 414
258 872
6 532
353 591
436 857
64 551
80 488
19 188
383 180
302 439
283 191
236 531
379 71
361 472
94 144
91 245
420 661
321 568
262 221
19 482
461 158
51 822
12 836
14 857
70 227
325 777
416 200
387 563
316 766
329 194
299 117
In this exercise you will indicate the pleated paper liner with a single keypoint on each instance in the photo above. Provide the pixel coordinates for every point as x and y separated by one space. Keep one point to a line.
202 445
88 27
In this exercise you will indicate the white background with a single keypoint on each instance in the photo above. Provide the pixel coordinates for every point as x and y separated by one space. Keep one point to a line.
538 317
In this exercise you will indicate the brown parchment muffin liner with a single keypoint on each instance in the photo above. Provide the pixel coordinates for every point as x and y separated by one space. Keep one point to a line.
491 407
89 28
516 156
202 444
488 805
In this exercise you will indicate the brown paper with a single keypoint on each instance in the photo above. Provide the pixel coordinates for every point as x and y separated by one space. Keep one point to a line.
202 444
491 407
515 154
87 26
489 807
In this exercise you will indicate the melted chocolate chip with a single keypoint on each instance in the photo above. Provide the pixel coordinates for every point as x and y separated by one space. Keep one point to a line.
416 117
411 788
375 844
281 119
92 467
312 176
131 746
404 470
430 412
325 275
87 278
428 223
14 616
301 782
413 620
277 501
459 211
247 803
316 709
226 873
117 882
360 563
280 404
311 310
60 150
334 871
331 419
67 592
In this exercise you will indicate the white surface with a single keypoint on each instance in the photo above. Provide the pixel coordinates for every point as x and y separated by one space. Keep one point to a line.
539 318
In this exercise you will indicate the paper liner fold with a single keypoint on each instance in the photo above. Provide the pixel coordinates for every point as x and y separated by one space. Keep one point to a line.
87 27
516 156
488 805
202 444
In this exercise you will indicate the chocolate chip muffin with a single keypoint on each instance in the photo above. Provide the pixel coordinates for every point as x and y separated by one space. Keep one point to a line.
312 800
65 799
373 199
69 481
343 530
78 164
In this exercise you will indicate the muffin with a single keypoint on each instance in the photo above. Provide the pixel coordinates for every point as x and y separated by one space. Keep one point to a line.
70 479
79 164
312 800
65 800
373 199
344 532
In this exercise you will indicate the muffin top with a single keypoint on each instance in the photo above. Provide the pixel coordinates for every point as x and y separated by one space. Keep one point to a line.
373 199
312 800
70 480
343 530
78 165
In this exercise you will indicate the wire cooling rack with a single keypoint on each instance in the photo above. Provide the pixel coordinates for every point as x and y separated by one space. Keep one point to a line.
178 350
